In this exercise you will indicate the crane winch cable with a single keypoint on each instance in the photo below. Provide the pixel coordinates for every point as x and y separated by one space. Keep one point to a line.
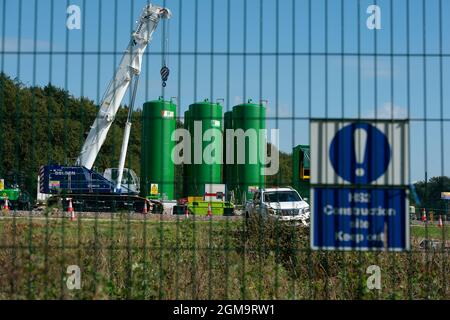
165 71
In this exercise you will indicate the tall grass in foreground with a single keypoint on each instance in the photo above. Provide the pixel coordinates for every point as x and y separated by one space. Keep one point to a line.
123 259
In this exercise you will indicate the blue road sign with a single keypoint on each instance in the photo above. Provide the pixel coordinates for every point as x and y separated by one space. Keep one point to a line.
359 219
374 153
357 203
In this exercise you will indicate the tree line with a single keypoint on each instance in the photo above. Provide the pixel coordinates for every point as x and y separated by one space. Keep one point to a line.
43 125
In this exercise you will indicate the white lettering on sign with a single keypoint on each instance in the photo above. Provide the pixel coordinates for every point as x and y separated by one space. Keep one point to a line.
376 237
358 223
358 237
343 236
349 211
359 197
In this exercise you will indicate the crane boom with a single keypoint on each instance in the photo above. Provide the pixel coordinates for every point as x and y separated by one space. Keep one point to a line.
129 68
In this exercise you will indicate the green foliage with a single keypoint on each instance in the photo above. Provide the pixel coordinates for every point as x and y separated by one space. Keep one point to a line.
42 125
124 258
430 192
284 176
339 274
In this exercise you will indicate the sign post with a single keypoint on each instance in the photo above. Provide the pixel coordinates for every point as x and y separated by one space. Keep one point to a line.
359 179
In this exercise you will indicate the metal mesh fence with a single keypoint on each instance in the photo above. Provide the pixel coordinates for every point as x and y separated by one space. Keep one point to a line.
299 59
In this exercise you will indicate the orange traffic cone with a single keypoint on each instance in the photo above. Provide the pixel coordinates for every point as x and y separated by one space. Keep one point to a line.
145 211
209 209
72 212
186 212
424 216
6 204
440 224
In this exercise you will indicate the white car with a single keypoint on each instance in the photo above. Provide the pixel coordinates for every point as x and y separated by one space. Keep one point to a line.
283 204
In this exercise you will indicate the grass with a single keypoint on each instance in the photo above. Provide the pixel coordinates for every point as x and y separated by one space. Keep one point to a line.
122 259
430 232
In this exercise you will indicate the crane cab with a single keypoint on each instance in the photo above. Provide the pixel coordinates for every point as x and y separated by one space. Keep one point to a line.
129 180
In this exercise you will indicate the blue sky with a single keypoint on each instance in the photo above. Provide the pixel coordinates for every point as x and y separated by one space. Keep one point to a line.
313 88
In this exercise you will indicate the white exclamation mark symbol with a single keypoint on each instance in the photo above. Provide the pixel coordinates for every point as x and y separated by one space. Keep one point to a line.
360 137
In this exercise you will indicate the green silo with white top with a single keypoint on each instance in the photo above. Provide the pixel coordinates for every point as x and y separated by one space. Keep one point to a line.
157 167
205 118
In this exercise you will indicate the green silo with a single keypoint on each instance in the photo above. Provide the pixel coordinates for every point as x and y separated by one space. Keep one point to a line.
301 170
204 115
228 169
186 166
157 167
251 118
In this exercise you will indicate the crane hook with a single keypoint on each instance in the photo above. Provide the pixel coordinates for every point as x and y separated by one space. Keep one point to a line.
164 75
165 70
